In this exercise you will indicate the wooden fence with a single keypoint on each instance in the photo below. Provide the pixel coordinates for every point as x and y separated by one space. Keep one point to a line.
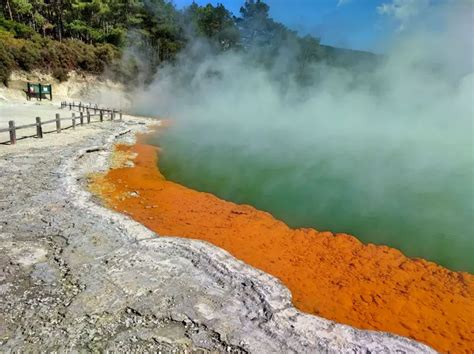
87 114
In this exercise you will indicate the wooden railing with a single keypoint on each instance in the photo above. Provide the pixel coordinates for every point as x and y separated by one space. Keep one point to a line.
87 114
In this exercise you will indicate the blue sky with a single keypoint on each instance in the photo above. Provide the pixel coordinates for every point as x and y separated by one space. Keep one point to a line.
356 24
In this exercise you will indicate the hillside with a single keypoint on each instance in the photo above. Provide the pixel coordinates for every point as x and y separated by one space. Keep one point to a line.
125 39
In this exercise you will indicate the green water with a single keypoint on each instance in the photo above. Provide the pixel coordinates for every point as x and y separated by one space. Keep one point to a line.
418 212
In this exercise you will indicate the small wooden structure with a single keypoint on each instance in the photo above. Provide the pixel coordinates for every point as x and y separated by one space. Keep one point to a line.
39 91
87 113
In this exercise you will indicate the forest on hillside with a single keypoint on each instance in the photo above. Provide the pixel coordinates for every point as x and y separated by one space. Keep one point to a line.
93 35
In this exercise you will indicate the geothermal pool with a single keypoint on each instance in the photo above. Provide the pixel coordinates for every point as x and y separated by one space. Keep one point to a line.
420 212
330 275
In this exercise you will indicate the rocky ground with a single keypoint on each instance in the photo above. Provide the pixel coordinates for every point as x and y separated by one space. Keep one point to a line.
77 276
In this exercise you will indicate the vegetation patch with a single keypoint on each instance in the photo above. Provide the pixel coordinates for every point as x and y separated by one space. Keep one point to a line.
90 36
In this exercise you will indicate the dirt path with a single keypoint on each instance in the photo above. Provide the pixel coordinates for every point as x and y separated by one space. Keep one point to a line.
334 276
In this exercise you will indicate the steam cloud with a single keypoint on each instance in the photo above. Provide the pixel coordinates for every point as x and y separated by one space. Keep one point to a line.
385 154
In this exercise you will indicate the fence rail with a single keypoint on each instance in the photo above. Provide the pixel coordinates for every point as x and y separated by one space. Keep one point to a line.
85 117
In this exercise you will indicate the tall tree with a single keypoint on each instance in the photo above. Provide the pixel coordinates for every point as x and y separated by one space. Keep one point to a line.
216 23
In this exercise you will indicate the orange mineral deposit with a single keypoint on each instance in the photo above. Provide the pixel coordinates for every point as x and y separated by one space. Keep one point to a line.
330 275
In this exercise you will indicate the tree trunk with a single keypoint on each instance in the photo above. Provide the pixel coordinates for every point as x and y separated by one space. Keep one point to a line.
60 20
9 10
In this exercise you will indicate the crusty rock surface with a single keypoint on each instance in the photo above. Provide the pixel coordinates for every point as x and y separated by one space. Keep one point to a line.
77 276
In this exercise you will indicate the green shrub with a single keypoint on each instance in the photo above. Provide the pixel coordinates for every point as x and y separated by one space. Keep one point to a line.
60 74
18 29
115 37
52 56
6 64
28 57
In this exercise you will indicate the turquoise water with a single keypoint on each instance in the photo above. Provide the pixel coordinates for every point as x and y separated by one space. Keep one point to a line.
372 194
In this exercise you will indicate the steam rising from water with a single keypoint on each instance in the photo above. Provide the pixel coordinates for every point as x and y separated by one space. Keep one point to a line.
385 154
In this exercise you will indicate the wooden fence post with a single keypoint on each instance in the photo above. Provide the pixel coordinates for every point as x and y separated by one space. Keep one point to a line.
58 123
120 115
70 107
39 128
88 117
112 114
80 106
73 121
101 115
81 118
11 125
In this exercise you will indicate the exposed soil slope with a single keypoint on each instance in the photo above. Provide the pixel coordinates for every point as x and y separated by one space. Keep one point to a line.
331 275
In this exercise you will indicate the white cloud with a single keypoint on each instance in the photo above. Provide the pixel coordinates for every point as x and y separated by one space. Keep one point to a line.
343 2
403 10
